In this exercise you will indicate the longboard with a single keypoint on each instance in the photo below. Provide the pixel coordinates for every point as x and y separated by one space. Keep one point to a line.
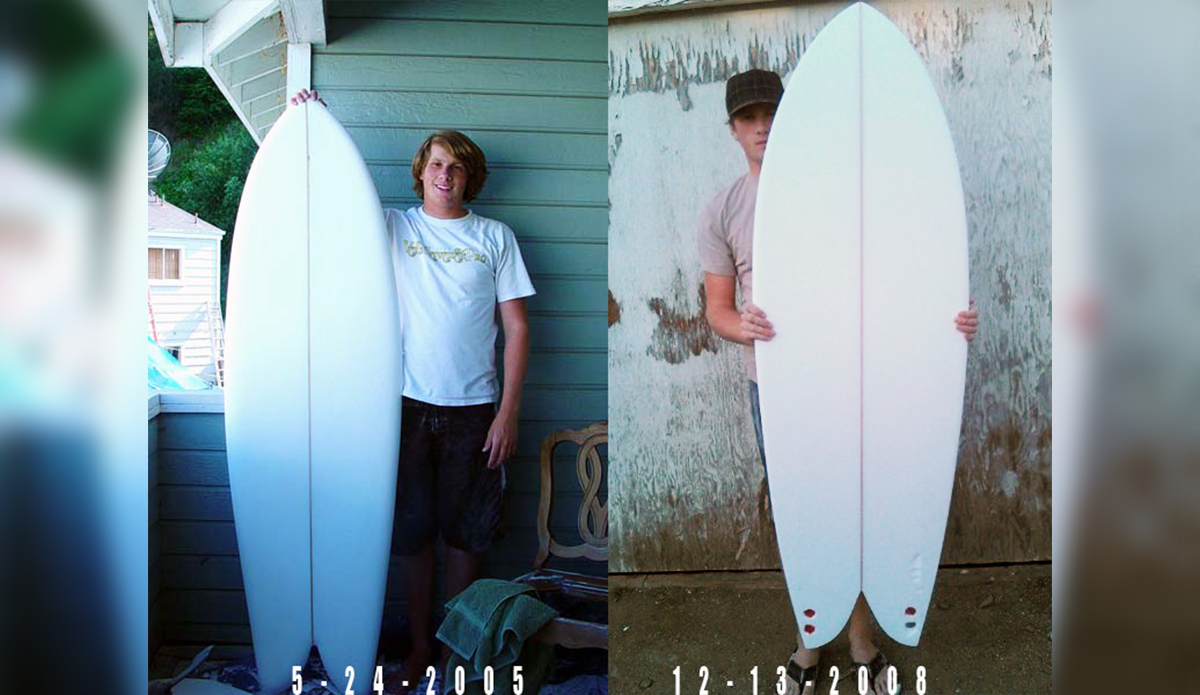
860 255
312 403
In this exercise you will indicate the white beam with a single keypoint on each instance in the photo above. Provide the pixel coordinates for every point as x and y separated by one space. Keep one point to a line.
163 20
231 21
299 68
305 20
189 45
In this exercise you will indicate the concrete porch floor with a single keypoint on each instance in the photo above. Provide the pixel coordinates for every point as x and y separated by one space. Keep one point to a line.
988 631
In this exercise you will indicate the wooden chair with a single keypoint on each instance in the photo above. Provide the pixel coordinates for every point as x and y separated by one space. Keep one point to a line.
592 521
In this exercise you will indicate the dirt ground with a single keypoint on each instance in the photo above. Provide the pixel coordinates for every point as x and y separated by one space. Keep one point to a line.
988 631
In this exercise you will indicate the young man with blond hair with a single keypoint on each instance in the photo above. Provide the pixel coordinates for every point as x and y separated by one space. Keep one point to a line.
455 271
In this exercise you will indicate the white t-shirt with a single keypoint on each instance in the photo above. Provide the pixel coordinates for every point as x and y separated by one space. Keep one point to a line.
450 275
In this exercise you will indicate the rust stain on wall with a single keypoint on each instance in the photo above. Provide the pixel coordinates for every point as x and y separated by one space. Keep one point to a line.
680 333
614 310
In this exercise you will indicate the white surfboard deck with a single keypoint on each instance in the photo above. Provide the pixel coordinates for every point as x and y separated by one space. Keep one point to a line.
861 263
312 402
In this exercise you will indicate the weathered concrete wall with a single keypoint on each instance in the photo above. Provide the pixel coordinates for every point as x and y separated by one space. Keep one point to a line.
687 488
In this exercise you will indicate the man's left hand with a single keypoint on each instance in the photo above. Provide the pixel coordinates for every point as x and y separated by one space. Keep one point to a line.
967 322
501 439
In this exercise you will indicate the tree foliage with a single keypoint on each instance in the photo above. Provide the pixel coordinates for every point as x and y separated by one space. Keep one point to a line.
184 105
211 149
207 178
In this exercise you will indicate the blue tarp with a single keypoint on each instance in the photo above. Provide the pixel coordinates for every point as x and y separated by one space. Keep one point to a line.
165 372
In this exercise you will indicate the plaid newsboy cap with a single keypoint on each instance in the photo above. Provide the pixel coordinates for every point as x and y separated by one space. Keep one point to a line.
752 87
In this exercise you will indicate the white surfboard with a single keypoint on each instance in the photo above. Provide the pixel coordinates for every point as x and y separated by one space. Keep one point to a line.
312 402
860 261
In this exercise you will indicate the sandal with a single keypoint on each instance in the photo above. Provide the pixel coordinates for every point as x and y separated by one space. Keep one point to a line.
877 666
801 676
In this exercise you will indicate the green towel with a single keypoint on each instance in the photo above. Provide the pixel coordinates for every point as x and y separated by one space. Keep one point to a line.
489 625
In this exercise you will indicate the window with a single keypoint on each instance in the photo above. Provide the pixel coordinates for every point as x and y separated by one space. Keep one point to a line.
164 264
175 352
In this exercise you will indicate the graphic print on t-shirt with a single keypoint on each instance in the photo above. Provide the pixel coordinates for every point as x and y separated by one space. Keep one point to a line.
451 274
457 255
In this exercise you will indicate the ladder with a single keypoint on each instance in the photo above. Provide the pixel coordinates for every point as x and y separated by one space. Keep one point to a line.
216 339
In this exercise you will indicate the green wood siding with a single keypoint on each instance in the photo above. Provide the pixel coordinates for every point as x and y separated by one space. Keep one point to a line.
528 82
154 567
195 576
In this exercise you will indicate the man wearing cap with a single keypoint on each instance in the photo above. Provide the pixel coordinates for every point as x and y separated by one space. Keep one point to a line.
725 233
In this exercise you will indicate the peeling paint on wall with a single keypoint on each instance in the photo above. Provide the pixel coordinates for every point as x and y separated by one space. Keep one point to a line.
614 310
685 466
681 332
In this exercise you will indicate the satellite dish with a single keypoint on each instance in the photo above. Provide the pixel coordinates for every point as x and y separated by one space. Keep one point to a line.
158 155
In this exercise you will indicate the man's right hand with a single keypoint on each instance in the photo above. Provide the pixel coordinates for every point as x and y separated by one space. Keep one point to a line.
755 325
304 95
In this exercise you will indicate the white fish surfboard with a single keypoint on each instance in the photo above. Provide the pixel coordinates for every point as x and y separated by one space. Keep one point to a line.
860 261
312 402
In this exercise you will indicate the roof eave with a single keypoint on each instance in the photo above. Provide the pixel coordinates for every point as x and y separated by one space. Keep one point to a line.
257 52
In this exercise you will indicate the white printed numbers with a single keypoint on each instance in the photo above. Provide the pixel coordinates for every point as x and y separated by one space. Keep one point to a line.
460 680
297 683
349 680
430 676
378 680
489 680
920 680
518 681
865 687
892 681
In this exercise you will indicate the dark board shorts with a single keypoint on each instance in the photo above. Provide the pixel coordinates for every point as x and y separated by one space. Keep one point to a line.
444 485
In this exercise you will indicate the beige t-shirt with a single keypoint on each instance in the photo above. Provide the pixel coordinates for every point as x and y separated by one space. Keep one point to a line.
725 239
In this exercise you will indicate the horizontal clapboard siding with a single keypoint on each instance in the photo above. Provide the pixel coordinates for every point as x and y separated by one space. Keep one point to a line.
528 82
154 567
195 584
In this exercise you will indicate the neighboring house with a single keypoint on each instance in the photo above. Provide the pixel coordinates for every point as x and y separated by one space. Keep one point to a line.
528 82
184 277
